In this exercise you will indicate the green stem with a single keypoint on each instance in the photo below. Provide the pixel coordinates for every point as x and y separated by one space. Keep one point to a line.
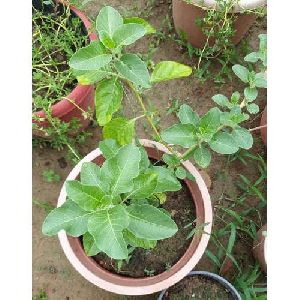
188 152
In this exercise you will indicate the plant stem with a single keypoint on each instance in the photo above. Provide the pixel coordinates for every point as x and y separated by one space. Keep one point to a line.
257 128
188 152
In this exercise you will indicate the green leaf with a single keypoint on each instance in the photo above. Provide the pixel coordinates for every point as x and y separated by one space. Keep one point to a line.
209 124
89 77
108 20
134 69
253 108
221 100
223 143
136 20
241 72
186 115
170 159
180 172
109 148
106 40
166 181
69 217
252 57
148 222
242 137
91 57
233 118
120 129
260 80
180 134
145 162
89 245
91 175
87 197
143 186
128 33
106 228
167 70
134 241
122 168
202 157
250 94
235 97
108 97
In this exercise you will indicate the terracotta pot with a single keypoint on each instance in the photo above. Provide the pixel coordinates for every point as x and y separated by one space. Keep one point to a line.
81 95
104 279
260 248
185 15
212 276
263 131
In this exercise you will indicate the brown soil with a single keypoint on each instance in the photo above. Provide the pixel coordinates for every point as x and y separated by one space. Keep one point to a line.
197 287
181 206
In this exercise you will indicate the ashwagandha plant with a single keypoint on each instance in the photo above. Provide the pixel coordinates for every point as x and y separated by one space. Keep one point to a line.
117 204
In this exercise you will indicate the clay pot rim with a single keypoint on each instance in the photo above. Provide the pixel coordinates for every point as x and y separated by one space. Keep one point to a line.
64 106
138 286
242 5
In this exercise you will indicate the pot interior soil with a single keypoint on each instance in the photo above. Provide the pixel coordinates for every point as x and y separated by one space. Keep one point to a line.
198 287
145 263
56 35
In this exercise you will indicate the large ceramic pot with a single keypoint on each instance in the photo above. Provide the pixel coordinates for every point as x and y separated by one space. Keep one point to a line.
104 279
263 124
260 248
185 15
82 95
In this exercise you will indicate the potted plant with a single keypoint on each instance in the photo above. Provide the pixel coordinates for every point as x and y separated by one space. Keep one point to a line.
218 17
58 30
201 285
114 204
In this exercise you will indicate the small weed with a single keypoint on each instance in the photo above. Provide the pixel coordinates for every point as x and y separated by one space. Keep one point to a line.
41 296
44 205
149 273
51 176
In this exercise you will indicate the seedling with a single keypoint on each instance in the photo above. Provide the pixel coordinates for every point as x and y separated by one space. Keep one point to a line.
51 176
114 206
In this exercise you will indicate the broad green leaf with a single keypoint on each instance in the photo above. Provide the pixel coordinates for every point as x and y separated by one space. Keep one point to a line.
250 94
134 241
241 72
223 143
127 34
167 70
252 57
89 245
119 129
242 137
89 77
106 228
87 197
108 98
186 115
143 186
209 124
106 40
202 156
235 97
108 20
69 217
180 172
221 100
253 108
148 222
109 148
91 57
134 69
166 181
145 162
137 20
91 174
122 168
180 134
233 118
260 80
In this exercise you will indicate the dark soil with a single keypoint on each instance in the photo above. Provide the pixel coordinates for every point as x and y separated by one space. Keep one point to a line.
198 287
155 261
